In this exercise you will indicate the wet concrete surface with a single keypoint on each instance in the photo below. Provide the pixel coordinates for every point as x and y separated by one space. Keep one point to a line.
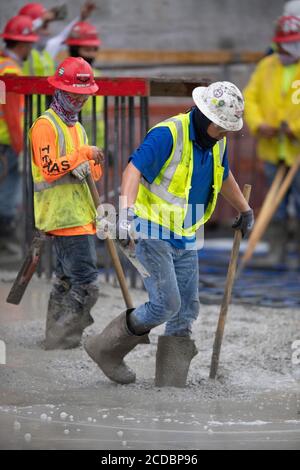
247 408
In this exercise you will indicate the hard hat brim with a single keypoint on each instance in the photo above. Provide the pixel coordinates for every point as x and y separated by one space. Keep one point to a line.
282 39
83 42
20 38
198 97
89 90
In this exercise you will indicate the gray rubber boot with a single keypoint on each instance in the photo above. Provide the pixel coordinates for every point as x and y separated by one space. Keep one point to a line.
173 358
68 316
109 348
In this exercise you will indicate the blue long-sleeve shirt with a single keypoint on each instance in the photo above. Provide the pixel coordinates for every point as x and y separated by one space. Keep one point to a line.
149 159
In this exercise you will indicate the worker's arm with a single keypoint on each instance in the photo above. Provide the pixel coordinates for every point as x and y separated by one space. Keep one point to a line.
130 186
55 44
43 142
232 193
13 117
253 112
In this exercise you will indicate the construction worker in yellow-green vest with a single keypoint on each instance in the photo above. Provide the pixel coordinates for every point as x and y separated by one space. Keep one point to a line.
18 37
85 42
41 60
63 206
169 190
272 113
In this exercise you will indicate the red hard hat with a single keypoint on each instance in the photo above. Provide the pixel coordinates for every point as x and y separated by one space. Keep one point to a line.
83 34
33 10
287 29
74 75
19 28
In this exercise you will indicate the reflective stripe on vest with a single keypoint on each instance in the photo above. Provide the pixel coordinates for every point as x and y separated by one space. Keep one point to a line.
171 187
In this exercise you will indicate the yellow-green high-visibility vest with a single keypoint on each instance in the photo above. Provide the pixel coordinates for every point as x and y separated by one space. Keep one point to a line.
165 201
9 66
38 64
66 202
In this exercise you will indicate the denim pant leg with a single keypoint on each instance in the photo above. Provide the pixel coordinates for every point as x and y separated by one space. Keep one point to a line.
187 274
296 194
282 211
162 288
76 261
10 183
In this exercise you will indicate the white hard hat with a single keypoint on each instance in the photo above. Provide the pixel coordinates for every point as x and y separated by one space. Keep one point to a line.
222 103
292 8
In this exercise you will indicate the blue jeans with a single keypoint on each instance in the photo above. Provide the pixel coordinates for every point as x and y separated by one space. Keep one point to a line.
76 264
10 183
172 287
294 193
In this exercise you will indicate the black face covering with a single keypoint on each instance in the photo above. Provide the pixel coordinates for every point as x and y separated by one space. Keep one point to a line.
201 124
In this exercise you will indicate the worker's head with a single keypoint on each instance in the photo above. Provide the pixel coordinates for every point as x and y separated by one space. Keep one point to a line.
287 36
41 17
222 104
18 36
74 79
84 41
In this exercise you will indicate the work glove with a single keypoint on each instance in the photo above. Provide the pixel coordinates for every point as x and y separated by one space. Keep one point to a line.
244 222
105 224
82 171
125 228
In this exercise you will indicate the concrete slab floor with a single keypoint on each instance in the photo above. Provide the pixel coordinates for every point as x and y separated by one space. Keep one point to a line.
61 400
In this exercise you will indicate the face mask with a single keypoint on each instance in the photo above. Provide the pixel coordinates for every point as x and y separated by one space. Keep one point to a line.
292 48
67 107
201 124
287 59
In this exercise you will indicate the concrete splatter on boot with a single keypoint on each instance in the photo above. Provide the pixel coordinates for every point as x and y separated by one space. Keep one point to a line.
173 358
68 316
109 348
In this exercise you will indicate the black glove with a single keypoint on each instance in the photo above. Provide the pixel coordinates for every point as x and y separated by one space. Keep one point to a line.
244 222
125 226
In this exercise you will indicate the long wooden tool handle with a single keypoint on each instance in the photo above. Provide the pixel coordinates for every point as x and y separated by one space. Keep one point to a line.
227 295
278 196
111 247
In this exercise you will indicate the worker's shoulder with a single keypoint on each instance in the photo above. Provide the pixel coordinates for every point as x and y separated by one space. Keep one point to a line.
42 125
269 61
9 65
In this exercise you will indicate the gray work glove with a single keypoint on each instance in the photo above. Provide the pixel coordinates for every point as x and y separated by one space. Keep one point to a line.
82 171
125 229
244 222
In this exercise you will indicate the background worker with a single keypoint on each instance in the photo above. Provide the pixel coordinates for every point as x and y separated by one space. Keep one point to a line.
273 117
171 185
41 61
84 41
63 207
18 37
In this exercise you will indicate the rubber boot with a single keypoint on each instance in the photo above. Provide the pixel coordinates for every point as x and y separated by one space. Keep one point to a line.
278 240
109 348
68 316
173 358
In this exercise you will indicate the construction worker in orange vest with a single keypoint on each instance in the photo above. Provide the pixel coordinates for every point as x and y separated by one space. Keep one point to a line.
18 37
63 207
84 41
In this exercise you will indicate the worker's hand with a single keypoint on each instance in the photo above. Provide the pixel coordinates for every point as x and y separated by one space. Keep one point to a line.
97 155
105 223
267 131
82 171
125 229
244 222
87 9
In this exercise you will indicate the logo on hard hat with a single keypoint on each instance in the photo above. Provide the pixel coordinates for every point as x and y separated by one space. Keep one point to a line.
26 31
61 71
83 77
218 93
